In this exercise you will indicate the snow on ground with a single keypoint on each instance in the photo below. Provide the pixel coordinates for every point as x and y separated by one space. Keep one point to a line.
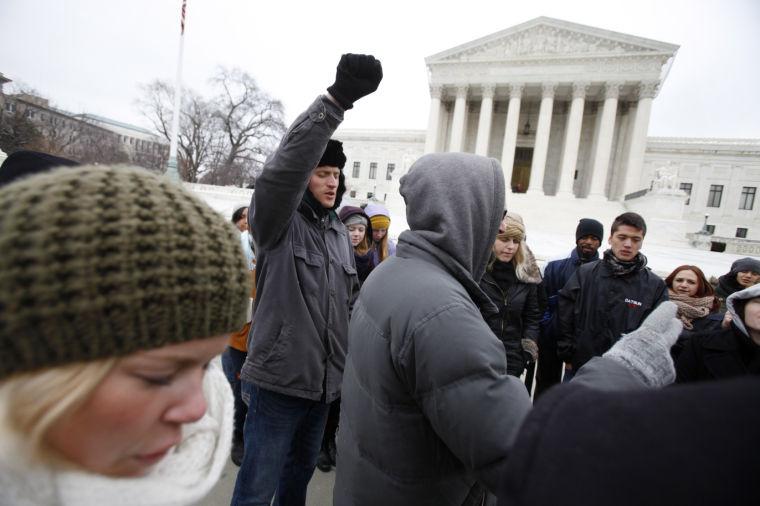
550 225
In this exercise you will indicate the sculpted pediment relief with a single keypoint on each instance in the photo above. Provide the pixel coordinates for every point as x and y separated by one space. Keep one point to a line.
543 41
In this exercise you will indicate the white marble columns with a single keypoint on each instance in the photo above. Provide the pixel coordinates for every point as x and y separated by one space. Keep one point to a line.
538 165
572 140
601 163
484 122
458 121
510 132
434 119
635 158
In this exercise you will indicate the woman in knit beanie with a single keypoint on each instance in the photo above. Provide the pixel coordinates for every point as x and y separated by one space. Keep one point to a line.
744 273
695 298
382 246
111 309
512 281
359 231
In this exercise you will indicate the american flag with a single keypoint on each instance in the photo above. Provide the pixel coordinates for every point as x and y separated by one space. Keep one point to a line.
182 23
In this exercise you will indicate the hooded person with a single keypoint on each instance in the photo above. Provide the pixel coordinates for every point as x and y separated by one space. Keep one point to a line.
729 352
428 410
110 312
382 245
744 273
306 285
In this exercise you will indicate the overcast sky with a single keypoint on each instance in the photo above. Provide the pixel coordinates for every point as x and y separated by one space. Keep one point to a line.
91 55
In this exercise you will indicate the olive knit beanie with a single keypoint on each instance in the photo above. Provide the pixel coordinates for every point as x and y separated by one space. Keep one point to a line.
100 262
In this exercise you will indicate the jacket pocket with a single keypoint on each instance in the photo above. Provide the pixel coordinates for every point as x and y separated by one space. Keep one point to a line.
277 346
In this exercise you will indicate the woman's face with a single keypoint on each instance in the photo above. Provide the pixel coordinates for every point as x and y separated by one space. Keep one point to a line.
135 416
378 234
686 282
356 233
504 250
747 278
242 223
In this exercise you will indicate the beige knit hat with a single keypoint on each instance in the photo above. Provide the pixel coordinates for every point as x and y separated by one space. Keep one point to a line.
98 262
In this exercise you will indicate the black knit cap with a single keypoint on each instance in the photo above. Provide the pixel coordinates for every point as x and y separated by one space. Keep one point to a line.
589 226
23 163
333 155
123 260
746 264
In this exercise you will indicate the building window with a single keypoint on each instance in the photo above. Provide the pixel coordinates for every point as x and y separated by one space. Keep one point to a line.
10 106
741 233
391 168
370 195
747 200
357 168
716 194
686 187
373 170
710 229
352 193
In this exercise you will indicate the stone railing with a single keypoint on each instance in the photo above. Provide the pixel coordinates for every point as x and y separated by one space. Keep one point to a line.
724 244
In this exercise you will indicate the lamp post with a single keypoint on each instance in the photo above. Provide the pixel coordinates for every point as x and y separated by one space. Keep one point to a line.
704 226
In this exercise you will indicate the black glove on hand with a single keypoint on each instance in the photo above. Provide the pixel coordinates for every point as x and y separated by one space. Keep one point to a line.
357 76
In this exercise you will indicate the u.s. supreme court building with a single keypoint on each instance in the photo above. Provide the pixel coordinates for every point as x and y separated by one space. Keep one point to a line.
565 108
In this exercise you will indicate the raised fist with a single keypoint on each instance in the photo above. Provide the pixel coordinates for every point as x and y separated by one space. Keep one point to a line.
357 76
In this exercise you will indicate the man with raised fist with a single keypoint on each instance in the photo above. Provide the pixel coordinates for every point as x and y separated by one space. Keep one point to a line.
306 286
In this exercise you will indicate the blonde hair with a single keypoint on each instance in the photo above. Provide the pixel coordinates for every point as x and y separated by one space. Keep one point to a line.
32 402
511 228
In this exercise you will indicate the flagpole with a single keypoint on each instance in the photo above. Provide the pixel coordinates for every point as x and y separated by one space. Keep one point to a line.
171 169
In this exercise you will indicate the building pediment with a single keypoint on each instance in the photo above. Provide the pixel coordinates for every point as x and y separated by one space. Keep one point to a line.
547 38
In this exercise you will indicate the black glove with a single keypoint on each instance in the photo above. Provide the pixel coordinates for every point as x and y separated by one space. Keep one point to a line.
357 76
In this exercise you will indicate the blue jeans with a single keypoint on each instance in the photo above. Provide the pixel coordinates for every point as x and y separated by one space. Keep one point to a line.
232 362
283 435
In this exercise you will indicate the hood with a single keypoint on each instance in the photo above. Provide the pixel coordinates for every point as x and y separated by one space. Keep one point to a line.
454 203
347 211
735 304
528 271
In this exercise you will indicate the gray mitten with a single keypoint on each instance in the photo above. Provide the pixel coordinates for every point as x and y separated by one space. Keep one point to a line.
530 349
646 350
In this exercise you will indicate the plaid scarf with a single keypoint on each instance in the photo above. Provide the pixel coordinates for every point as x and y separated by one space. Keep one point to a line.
620 268
691 308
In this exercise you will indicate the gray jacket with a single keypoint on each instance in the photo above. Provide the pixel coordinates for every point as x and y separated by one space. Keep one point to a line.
427 406
305 275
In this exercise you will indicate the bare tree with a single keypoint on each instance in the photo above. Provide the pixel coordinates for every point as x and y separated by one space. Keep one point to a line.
17 132
197 132
252 123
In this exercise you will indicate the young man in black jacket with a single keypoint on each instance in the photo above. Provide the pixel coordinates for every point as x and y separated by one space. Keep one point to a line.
608 298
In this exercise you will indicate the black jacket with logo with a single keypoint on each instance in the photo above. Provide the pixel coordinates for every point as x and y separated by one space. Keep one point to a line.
596 308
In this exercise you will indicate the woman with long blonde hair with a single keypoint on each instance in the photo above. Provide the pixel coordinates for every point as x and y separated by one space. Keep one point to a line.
512 281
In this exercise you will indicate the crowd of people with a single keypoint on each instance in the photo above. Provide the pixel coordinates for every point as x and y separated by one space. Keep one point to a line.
397 364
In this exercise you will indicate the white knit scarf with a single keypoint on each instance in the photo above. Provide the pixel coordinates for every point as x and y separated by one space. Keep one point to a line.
183 477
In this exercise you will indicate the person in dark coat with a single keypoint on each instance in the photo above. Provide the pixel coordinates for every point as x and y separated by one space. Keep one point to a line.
697 304
511 282
687 444
428 411
306 286
610 297
744 273
360 233
729 352
588 239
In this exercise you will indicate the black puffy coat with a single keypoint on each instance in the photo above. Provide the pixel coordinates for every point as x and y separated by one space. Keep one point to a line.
519 314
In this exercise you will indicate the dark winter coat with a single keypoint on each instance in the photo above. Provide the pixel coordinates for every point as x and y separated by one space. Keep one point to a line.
724 353
519 315
596 308
305 274
556 274
727 285
689 444
428 407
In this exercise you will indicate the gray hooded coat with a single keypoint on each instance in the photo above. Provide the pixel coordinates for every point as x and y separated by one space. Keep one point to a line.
427 405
